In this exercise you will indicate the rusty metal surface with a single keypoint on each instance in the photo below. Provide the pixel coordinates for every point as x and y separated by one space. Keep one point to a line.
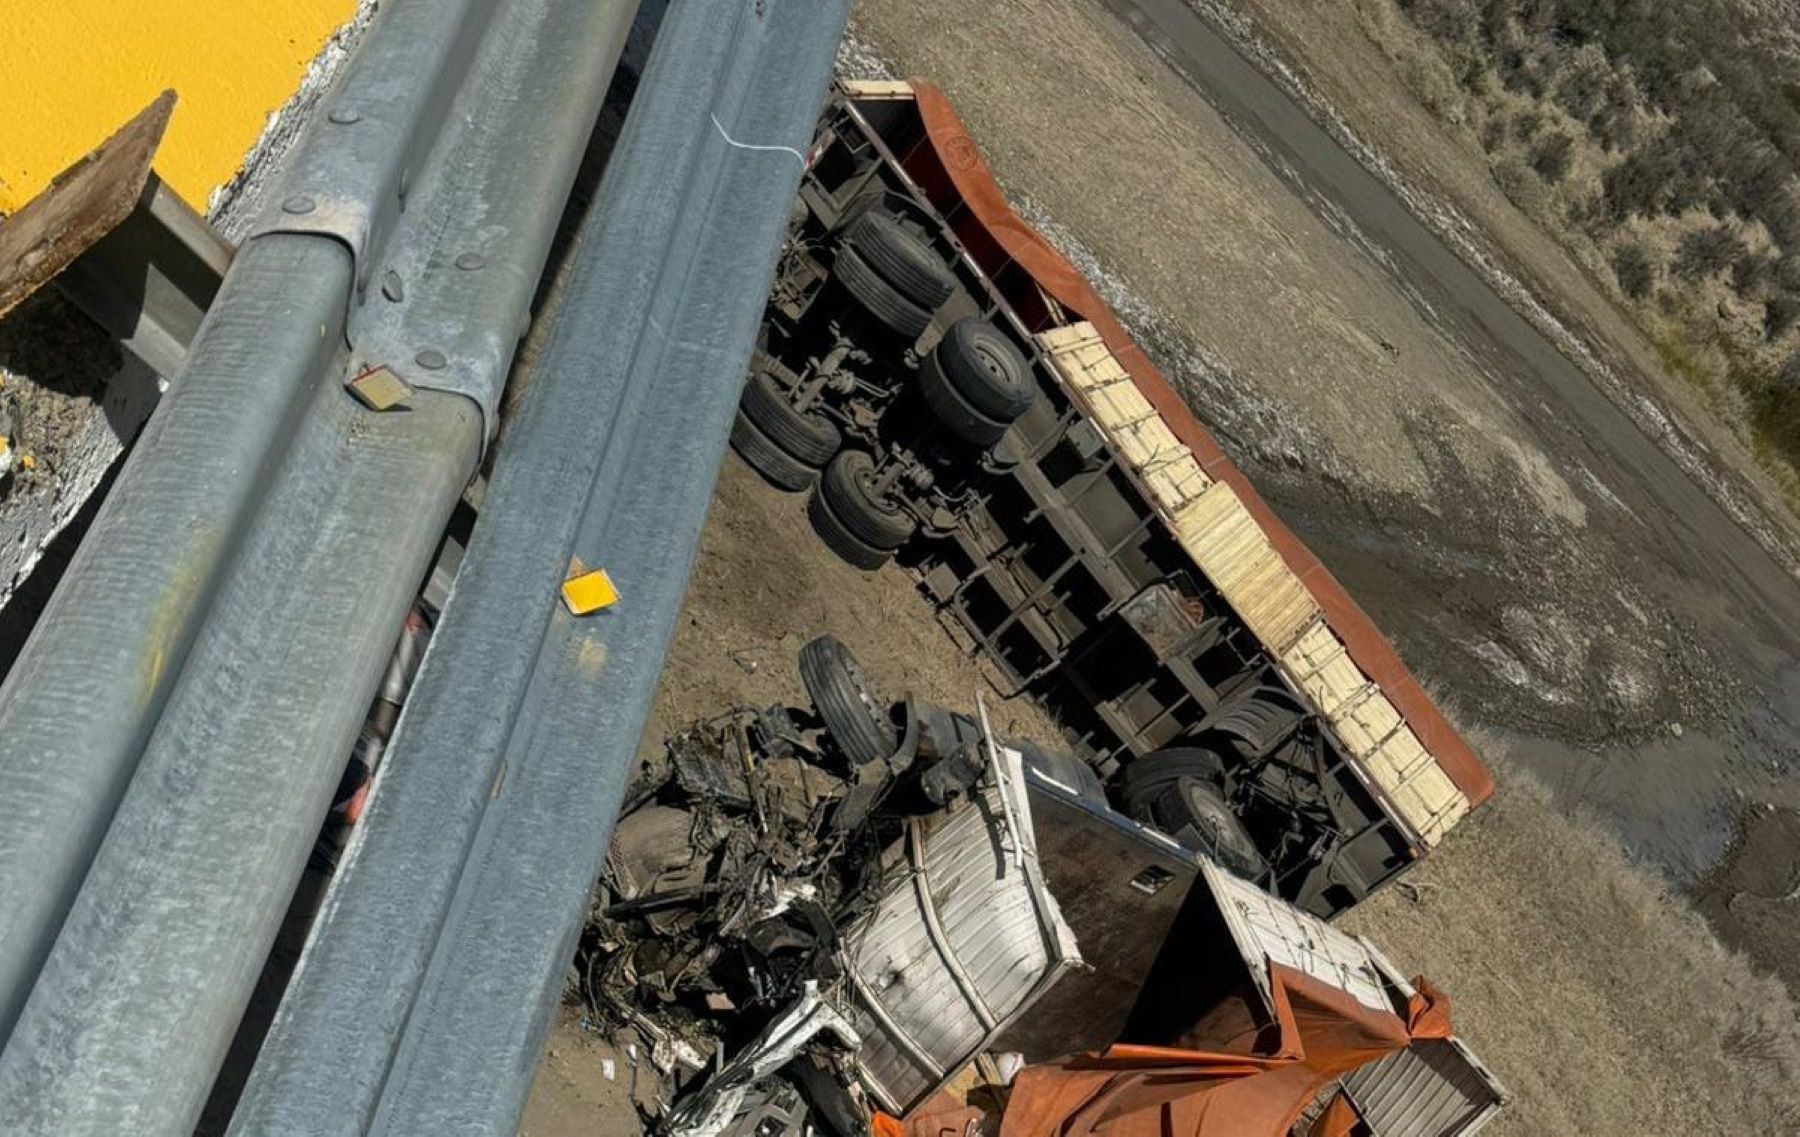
83 204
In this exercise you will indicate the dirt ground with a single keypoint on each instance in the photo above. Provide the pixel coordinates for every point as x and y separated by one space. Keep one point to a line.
1520 566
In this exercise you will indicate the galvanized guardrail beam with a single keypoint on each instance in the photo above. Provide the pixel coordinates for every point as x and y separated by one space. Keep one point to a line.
430 980
170 735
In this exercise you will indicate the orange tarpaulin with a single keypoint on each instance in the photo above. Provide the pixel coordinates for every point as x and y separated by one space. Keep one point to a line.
999 230
1340 1119
1236 1090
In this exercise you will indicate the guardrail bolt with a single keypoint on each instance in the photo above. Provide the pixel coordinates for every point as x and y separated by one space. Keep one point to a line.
298 204
431 359
344 116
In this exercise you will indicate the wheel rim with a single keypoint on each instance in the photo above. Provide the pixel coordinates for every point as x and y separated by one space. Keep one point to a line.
990 362
865 481
860 686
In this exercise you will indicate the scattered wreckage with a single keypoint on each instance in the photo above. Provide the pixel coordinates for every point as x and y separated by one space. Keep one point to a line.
820 919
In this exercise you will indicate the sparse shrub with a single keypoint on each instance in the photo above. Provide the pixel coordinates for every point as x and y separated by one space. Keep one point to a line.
1706 251
1520 183
1552 155
1455 20
1750 272
1634 269
1779 316
1582 88
1789 374
1493 133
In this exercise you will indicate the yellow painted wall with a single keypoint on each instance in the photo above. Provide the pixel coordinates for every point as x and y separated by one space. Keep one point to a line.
72 72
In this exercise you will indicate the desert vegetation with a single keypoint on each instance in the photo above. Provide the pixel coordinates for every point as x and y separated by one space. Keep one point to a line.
1660 141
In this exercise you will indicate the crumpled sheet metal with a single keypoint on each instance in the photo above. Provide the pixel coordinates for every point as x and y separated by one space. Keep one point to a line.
960 945
1239 1090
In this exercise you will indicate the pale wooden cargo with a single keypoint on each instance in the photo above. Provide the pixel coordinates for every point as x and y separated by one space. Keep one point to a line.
866 90
1231 548
1369 725
1221 535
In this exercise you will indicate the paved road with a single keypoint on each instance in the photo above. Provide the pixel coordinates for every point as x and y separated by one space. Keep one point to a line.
1706 566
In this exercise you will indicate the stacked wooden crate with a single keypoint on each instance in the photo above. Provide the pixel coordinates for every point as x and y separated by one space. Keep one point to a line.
1211 522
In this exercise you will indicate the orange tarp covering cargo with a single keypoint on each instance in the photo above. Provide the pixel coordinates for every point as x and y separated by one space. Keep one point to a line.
1240 1088
1001 243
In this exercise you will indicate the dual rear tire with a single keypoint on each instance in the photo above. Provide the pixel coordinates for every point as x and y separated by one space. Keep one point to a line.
890 269
1180 791
784 444
976 382
855 520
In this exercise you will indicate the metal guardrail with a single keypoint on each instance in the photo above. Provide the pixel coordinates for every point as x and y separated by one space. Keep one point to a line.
171 733
429 983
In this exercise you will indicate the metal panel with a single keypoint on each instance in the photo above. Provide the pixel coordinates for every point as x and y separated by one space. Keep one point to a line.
87 688
217 638
961 944
1120 888
429 984
1268 930
1437 1088
1433 1088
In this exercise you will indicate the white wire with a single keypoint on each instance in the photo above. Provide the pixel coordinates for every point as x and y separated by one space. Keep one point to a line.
730 141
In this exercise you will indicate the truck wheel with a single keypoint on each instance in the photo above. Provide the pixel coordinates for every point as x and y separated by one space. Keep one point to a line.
1196 814
953 410
903 258
881 299
854 716
806 435
1145 779
840 540
847 489
982 364
1178 791
782 469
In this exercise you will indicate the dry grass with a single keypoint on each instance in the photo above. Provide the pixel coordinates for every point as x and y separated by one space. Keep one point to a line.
1601 999
1743 386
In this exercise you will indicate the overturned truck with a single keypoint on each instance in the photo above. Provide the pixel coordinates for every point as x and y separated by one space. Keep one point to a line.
952 393
805 930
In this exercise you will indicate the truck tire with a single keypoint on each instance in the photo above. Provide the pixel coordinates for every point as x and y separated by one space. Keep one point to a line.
1197 815
845 489
986 369
806 435
838 538
1144 779
881 299
855 717
902 257
781 469
1178 791
957 414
